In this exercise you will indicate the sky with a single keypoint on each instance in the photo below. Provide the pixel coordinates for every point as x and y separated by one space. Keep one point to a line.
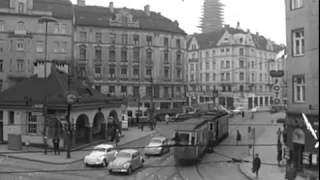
264 16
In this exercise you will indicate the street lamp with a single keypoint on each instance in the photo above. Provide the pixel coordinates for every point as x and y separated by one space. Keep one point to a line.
45 20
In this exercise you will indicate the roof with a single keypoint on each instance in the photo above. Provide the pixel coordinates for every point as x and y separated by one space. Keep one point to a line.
190 124
211 39
60 8
130 151
105 146
99 16
34 89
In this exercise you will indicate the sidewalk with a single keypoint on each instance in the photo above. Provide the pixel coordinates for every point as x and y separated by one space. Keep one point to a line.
133 134
267 154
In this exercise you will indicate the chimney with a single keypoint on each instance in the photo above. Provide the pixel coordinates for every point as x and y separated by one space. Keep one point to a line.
257 33
248 30
147 10
81 2
176 23
111 7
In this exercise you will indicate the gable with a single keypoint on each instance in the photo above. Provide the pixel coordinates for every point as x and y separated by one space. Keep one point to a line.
193 45
226 39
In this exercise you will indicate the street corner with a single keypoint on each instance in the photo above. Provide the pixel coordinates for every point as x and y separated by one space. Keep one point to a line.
246 170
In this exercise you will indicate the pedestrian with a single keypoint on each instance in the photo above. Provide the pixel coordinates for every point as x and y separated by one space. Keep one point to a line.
279 133
56 142
242 113
256 165
279 156
252 116
238 137
291 173
284 136
117 137
167 118
279 145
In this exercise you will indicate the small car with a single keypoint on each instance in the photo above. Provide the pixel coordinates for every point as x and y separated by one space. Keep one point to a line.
238 110
155 147
101 155
126 161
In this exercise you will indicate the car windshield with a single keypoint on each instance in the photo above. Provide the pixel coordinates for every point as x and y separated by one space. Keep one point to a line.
184 138
124 155
99 149
156 141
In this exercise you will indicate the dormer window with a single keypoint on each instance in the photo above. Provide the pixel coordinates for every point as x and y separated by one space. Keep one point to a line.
21 26
226 39
21 8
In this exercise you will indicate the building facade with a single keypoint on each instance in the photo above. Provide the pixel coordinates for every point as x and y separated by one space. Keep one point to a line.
302 27
212 16
128 53
234 62
22 37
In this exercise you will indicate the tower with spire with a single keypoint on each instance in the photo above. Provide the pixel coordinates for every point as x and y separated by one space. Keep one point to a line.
212 16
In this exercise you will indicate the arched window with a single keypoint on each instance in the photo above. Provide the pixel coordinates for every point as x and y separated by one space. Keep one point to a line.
20 25
63 29
21 7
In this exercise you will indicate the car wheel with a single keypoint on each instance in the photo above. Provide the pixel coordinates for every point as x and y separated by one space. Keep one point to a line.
129 170
86 164
104 163
110 171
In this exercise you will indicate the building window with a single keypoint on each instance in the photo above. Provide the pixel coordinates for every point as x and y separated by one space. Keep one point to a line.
178 58
21 7
111 90
98 37
11 117
241 51
124 72
112 72
191 67
222 64
21 26
252 77
227 50
241 64
20 45
40 28
149 72
228 76
32 123
260 65
136 71
112 55
113 37
148 91
241 76
56 28
166 57
298 42
213 65
166 92
207 77
82 71
124 90
227 64
213 52
39 46
1 66
63 29
20 65
63 47
56 47
83 36
207 65
149 40
166 42
97 72
241 88
83 53
252 64
1 84
149 56
296 4
136 54
178 43
124 55
136 39
1 26
213 77
124 39
299 89
260 77
166 73
222 77
179 74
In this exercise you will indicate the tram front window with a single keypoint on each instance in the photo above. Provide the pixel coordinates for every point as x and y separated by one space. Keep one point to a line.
184 138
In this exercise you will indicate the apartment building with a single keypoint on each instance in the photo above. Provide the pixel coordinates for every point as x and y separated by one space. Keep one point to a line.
22 37
235 63
131 53
302 27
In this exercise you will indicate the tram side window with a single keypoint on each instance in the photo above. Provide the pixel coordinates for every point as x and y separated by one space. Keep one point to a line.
193 139
184 138
211 127
129 113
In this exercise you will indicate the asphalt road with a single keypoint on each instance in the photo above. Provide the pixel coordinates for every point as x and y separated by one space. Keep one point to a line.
156 168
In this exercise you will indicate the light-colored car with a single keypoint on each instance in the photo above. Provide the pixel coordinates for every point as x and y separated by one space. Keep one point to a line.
157 146
238 110
126 161
101 155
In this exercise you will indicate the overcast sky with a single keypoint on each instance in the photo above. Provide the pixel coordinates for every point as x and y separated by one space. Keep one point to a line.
264 16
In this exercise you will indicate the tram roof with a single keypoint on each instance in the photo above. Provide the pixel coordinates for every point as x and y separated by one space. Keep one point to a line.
191 124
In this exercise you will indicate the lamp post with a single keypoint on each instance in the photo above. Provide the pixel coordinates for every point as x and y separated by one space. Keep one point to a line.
45 20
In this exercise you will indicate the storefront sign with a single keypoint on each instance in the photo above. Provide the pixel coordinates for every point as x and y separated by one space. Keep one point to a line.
298 136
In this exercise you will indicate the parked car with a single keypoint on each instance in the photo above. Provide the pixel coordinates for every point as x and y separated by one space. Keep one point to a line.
157 146
238 110
101 155
126 161
182 117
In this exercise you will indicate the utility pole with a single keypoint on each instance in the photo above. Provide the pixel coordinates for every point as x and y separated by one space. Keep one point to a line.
152 104
138 113
254 141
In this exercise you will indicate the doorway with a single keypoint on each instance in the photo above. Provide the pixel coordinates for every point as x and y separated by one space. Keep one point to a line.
1 130
298 149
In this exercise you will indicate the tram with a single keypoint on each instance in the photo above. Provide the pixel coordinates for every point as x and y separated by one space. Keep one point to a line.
196 135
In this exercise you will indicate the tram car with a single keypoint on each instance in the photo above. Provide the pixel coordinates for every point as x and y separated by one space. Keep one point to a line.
196 135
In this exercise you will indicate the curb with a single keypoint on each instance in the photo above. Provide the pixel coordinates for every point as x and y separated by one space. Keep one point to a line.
72 162
245 173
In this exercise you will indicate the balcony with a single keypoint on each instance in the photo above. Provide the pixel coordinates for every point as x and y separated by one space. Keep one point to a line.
20 34
193 60
82 61
19 75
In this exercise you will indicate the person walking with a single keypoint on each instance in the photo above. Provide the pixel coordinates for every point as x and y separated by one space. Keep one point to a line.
167 118
242 113
117 137
56 142
291 173
279 157
238 137
256 165
279 133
